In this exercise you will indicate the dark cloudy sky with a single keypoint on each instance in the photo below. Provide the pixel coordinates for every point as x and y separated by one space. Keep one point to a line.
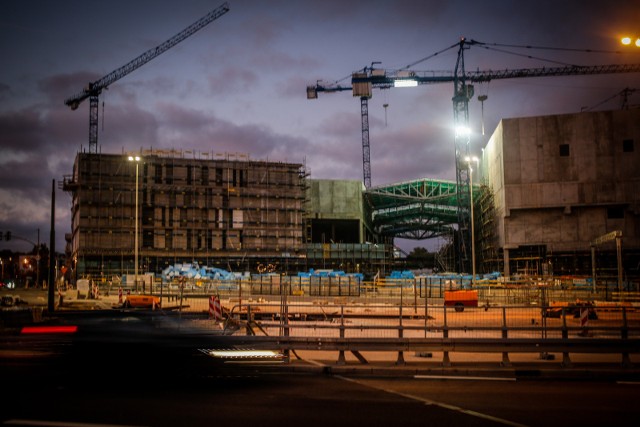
238 85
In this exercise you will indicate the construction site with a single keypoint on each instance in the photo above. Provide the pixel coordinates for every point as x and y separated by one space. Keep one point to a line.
548 189
553 196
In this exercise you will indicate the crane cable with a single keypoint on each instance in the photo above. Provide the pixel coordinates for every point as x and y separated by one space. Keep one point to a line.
494 46
406 67
624 93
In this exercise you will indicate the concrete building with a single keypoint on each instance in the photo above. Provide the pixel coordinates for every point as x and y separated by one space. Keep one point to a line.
339 231
559 182
230 212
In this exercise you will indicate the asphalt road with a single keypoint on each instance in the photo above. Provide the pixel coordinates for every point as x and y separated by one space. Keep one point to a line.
244 400
126 371
253 397
529 403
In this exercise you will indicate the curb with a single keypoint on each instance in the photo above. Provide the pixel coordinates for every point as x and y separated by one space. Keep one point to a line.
516 373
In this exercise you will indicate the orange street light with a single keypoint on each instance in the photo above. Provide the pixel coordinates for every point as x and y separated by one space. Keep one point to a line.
629 40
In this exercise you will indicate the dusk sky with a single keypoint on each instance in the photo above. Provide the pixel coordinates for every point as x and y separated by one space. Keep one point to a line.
238 85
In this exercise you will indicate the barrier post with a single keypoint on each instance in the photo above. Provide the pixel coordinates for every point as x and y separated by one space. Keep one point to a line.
624 334
400 360
505 336
566 361
584 321
445 334
341 358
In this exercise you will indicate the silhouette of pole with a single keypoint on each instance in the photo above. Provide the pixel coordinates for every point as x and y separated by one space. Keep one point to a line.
52 250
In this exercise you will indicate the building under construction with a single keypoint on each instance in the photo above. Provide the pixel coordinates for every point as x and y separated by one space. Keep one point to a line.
229 212
555 186
551 188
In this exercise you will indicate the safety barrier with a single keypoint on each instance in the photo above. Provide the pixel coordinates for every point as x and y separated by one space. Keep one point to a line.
430 290
504 330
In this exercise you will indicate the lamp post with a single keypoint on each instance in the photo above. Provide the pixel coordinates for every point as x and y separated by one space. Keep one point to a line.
473 234
135 249
627 41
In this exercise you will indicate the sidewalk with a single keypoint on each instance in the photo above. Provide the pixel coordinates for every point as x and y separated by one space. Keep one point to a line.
522 366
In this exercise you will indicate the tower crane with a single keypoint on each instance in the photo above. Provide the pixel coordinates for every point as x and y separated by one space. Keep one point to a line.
93 89
362 83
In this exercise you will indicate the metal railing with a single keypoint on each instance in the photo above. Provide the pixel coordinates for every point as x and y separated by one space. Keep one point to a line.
398 328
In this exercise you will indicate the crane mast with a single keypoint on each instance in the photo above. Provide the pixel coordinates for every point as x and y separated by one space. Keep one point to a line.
94 89
363 83
461 95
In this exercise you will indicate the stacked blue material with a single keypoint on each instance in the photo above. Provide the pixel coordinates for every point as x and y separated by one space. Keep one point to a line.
195 271
406 274
329 273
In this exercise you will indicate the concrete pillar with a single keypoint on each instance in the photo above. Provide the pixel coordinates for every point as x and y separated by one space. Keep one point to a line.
507 270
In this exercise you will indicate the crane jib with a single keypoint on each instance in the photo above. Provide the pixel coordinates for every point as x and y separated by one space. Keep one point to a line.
387 80
95 88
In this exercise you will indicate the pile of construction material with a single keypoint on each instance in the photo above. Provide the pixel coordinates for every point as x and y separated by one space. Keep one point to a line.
329 273
196 272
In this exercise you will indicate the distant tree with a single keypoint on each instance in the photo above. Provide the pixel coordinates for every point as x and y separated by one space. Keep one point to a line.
420 257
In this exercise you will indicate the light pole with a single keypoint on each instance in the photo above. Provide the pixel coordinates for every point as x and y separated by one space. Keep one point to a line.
473 234
135 239
627 41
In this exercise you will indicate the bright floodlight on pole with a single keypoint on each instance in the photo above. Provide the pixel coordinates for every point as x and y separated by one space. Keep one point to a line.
135 239
469 161
462 131
405 83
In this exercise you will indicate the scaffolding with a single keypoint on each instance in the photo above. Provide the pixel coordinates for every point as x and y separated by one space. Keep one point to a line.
190 208
486 236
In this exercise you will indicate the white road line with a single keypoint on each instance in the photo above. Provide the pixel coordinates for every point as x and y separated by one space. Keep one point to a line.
42 423
439 404
314 362
453 377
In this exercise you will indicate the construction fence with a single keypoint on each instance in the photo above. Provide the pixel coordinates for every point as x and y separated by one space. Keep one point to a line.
403 291
330 310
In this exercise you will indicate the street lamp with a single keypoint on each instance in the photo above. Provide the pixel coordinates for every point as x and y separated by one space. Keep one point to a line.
629 40
473 234
135 262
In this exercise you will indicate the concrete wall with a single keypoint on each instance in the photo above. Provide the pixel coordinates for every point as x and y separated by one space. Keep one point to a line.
493 174
336 210
329 199
563 180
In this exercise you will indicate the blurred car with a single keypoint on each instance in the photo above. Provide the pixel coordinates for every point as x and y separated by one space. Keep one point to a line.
9 284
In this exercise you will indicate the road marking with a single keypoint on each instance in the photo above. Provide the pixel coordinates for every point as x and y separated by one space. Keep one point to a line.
316 363
42 423
454 377
439 404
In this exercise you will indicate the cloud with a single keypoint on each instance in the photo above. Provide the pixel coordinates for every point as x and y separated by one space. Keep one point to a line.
232 80
59 87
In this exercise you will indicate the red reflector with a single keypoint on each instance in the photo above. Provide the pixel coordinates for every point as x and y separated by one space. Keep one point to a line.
49 330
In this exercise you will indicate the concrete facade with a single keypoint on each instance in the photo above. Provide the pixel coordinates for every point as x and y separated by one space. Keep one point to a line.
335 211
213 211
561 181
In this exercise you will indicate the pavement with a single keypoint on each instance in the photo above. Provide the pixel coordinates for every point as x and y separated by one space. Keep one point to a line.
521 366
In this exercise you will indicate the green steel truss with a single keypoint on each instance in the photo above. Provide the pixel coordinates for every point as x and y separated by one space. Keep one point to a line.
419 209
